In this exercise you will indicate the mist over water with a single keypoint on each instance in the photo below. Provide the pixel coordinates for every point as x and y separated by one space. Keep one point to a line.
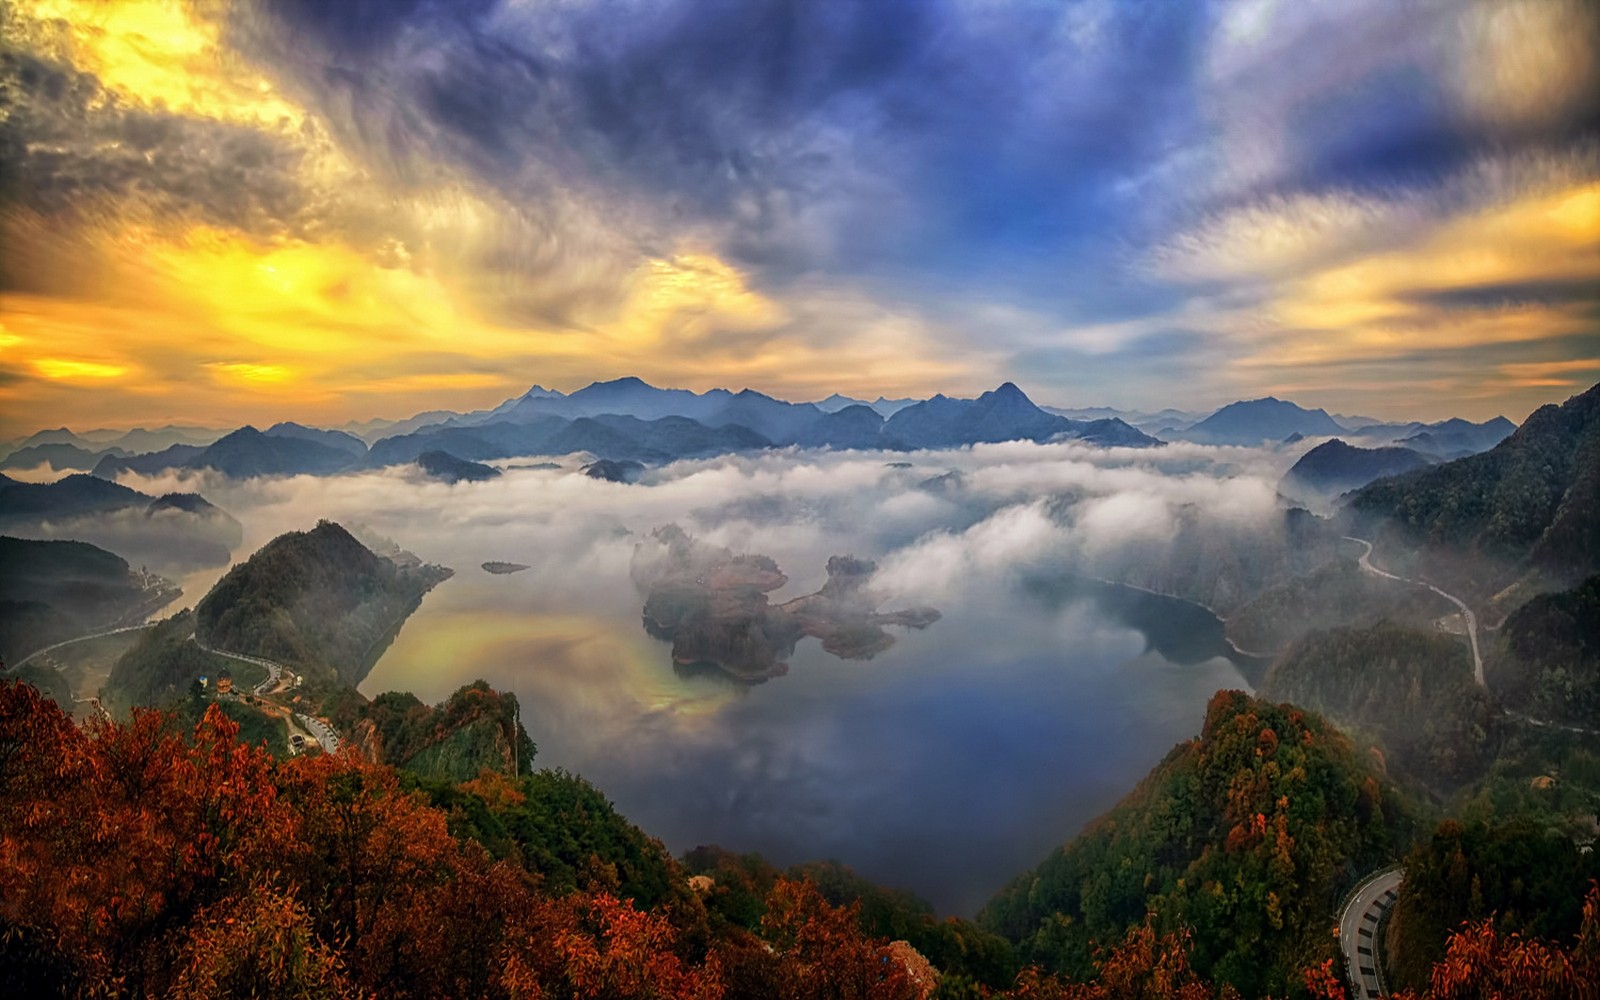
946 765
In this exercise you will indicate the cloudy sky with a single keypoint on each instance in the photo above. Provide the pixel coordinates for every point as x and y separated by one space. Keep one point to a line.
332 209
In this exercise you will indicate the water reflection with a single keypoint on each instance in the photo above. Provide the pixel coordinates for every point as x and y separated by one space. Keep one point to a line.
947 764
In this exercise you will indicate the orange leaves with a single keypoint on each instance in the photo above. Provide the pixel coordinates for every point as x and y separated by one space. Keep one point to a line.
597 947
107 835
1143 966
819 951
1323 983
1481 962
260 941
497 791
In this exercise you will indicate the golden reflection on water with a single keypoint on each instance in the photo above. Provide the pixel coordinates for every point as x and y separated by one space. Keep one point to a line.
585 663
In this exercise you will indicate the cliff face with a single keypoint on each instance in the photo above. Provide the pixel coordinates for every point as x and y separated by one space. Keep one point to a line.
470 732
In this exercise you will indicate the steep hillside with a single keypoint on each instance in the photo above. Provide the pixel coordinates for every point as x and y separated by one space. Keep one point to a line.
1247 836
1413 691
1532 502
1335 593
55 590
318 599
159 669
472 731
1547 659
1523 879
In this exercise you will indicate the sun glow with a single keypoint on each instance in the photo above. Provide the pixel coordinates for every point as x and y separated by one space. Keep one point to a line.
159 54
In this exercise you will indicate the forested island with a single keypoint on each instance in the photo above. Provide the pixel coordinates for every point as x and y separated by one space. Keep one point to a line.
712 606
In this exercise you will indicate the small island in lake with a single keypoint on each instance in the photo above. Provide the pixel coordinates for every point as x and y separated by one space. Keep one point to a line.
712 605
502 568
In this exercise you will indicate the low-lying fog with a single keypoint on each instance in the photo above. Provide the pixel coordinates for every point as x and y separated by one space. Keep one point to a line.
947 764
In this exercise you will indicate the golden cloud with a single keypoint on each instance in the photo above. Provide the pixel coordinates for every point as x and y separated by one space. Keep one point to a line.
1385 304
74 369
159 54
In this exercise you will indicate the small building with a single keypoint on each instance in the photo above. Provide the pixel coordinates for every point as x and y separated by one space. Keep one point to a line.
224 681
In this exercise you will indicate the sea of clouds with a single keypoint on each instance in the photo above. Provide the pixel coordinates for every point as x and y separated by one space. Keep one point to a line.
946 765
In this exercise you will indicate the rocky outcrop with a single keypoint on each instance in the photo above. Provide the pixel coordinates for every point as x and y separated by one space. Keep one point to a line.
712 605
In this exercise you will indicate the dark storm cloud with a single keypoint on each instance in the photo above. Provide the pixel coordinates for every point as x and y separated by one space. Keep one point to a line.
69 145
787 124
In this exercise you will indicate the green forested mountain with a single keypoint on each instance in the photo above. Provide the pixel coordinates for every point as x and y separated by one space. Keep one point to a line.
562 828
1547 661
1532 502
158 670
317 599
1335 593
56 590
1246 835
1412 691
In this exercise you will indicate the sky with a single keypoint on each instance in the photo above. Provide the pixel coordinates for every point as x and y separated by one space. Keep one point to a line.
326 210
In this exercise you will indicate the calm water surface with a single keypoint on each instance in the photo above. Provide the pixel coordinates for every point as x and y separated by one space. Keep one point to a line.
946 765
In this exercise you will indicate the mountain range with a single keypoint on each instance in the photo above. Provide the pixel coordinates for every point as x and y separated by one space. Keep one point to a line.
1529 504
177 531
630 420
1253 421
627 419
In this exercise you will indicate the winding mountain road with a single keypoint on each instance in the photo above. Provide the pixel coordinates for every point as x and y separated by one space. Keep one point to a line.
274 670
1359 939
327 737
1466 612
82 638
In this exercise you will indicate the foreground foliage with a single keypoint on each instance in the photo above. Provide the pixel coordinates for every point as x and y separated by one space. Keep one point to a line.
138 861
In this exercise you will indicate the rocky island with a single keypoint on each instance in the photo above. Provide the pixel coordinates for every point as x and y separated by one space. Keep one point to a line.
502 568
712 605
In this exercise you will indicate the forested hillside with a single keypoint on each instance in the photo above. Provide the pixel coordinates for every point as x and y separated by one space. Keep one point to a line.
331 876
1547 660
160 667
1520 878
1335 593
1411 691
1532 502
1245 836
317 599
56 590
